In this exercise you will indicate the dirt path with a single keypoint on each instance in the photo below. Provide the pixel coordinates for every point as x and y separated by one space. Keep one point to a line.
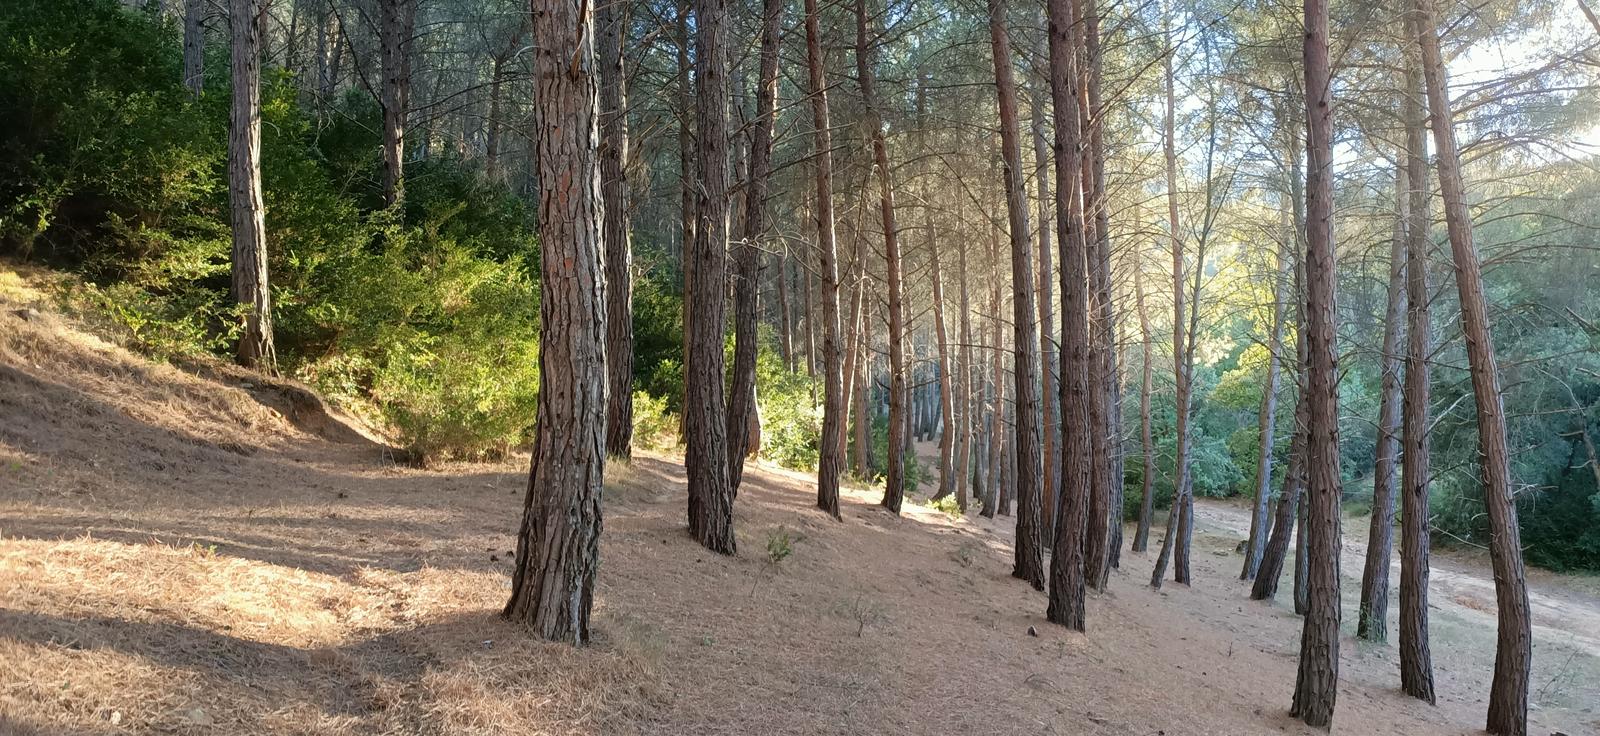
176 557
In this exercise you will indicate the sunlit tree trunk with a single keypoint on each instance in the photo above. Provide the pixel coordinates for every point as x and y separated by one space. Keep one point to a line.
1317 680
742 393
705 273
251 286
1372 617
1416 659
611 24
830 463
1067 574
558 545
948 383
968 392
1508 694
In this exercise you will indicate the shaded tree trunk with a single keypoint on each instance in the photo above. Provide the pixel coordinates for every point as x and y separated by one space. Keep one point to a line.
894 460
1508 694
1029 548
1105 532
1372 617
705 275
968 391
1067 574
1416 659
558 544
1317 680
1049 394
947 380
397 20
251 286
1180 481
742 395
611 22
1266 422
194 46
830 463
1141 534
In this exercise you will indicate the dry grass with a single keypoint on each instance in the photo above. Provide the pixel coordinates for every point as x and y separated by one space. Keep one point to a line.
177 556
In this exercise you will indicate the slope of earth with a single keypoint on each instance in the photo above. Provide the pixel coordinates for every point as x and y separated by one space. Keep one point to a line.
181 554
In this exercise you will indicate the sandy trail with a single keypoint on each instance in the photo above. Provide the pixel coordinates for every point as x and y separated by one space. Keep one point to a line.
178 557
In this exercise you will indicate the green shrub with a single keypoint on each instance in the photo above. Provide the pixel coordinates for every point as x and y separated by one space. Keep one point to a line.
654 426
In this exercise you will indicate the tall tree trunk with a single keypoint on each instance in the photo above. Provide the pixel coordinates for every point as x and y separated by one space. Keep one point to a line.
1029 547
1416 660
1286 516
1508 694
706 274
1105 508
194 46
558 544
1302 568
1316 684
742 395
1372 618
1141 534
866 366
1266 422
612 24
1049 394
330 55
830 456
397 19
785 311
894 460
948 383
251 286
1175 536
997 410
1067 574
968 383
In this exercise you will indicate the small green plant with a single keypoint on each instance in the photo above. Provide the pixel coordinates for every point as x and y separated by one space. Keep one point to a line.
948 506
780 544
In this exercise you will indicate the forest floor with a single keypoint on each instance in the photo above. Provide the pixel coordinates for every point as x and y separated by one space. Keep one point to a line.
202 551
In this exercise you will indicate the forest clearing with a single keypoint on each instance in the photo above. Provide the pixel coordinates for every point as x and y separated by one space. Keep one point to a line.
178 556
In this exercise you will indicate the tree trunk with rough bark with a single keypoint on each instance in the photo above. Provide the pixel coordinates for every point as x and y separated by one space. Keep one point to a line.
968 392
397 19
1050 392
894 456
251 286
947 381
747 275
1067 573
1317 680
1029 548
1416 658
830 463
611 24
705 274
1508 693
1372 617
558 544
194 46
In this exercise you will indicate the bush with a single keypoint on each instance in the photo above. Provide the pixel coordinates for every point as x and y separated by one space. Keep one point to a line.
654 426
114 171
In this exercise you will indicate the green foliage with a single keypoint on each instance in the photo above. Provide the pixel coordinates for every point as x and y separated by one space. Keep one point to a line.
780 544
791 426
654 426
116 172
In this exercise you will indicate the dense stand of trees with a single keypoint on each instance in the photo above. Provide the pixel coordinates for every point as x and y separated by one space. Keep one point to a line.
1222 223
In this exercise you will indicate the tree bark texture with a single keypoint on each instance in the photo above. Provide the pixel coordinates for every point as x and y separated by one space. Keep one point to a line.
611 24
705 275
830 462
558 544
251 286
1508 693
1266 422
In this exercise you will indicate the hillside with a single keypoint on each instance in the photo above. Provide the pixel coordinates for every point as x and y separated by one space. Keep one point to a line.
198 551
